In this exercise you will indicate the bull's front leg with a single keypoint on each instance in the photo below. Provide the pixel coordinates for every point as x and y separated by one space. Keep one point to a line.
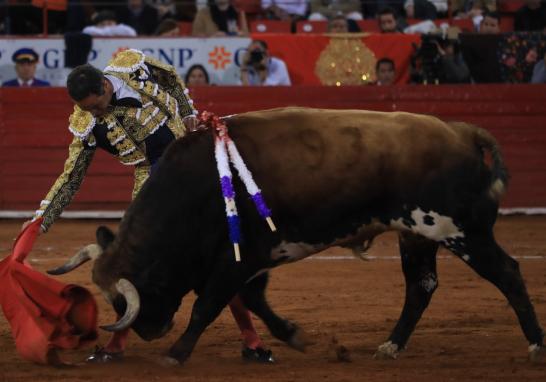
253 295
223 285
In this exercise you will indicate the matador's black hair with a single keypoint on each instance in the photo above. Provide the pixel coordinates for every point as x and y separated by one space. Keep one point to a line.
83 81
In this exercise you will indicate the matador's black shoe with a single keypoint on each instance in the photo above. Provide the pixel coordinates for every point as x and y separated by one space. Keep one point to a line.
102 356
257 355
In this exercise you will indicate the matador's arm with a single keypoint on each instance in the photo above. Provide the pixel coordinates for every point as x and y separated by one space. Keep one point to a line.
67 184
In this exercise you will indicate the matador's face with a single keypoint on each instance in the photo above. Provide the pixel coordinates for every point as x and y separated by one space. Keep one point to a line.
98 104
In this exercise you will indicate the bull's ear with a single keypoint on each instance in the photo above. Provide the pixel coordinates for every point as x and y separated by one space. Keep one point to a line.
104 236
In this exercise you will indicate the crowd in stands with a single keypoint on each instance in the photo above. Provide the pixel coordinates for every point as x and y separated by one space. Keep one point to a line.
438 60
231 17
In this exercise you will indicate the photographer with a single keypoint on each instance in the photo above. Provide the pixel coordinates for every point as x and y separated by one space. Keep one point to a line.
258 68
453 69
438 60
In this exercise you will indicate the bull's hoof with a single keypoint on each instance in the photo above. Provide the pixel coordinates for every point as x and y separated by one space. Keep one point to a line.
537 354
257 355
167 361
299 340
388 350
102 356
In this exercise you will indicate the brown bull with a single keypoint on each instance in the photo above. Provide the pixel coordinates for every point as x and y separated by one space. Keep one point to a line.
331 177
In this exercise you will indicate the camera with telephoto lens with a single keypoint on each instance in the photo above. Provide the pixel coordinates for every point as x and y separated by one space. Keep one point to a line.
256 56
426 60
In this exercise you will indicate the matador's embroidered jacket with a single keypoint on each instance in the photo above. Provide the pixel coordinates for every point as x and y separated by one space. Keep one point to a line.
135 132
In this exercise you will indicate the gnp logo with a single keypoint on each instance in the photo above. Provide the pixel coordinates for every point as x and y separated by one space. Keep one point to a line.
219 57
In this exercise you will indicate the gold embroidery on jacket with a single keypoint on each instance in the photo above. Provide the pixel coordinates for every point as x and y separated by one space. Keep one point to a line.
67 184
132 158
116 135
80 123
142 172
165 101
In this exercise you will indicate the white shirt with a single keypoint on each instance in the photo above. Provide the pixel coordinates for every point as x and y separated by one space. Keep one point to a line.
277 74
111 30
22 83
293 7
121 89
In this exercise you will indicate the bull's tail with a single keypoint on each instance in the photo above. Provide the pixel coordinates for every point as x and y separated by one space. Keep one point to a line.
485 141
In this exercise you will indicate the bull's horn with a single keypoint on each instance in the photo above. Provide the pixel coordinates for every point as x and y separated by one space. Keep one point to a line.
130 293
90 252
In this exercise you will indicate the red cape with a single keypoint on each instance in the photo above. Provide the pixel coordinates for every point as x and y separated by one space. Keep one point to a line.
44 314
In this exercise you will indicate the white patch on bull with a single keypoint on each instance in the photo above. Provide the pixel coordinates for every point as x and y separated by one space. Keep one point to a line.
388 350
290 252
466 258
536 353
429 282
442 228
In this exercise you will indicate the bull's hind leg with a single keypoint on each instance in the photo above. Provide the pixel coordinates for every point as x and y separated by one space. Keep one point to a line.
419 267
253 295
489 260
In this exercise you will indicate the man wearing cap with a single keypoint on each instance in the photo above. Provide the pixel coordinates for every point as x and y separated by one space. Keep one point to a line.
133 109
25 60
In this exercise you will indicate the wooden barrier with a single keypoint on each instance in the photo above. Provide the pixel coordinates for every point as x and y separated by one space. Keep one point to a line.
34 135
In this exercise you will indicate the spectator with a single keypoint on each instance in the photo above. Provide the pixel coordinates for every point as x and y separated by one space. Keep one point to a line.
425 9
385 72
539 71
197 75
371 8
338 24
490 23
387 21
464 9
106 24
168 28
218 19
56 14
531 17
20 18
327 9
288 10
26 60
165 8
259 68
186 10
142 17
452 67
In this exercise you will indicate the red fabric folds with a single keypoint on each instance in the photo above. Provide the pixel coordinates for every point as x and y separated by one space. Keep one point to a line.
44 314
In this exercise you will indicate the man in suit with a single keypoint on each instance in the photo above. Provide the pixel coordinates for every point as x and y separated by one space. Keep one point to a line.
26 60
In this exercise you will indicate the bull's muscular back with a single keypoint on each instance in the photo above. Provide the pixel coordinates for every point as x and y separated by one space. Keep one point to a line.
310 157
324 174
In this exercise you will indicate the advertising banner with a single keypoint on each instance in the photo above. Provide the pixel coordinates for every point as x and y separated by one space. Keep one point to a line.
220 56
346 59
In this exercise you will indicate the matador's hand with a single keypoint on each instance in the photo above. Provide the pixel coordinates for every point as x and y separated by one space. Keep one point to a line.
25 225
190 121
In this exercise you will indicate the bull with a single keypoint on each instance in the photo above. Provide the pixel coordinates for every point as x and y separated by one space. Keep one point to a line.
331 178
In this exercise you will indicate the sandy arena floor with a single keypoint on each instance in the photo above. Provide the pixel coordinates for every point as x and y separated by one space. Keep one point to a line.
469 333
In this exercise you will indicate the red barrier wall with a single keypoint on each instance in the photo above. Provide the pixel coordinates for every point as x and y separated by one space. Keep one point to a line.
34 135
